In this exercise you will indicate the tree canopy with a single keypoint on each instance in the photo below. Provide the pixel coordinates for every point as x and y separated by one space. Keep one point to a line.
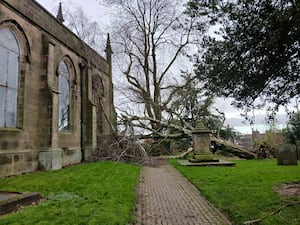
255 54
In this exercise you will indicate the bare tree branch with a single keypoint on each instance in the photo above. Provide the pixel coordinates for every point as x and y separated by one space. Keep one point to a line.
150 37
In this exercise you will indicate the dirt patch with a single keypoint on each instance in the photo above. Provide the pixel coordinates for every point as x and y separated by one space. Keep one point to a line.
289 189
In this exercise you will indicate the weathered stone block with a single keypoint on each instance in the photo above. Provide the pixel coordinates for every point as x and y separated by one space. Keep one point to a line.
4 145
204 157
298 149
201 139
88 154
29 157
17 158
11 201
51 159
5 159
6 170
286 154
71 156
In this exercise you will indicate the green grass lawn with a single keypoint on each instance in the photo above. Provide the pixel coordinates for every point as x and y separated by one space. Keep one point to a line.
95 193
246 192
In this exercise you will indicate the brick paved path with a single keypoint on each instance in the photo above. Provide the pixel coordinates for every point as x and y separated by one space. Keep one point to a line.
165 197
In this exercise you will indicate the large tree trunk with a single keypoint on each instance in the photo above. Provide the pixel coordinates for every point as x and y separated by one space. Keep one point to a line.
227 148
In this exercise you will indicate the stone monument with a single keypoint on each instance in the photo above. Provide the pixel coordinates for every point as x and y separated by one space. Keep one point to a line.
202 145
286 154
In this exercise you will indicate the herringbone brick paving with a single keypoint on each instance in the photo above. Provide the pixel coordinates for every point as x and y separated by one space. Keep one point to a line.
165 197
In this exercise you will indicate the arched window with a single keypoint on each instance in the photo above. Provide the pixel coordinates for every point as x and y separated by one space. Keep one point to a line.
64 97
9 78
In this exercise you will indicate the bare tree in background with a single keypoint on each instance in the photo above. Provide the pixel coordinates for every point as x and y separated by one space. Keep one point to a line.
149 38
86 28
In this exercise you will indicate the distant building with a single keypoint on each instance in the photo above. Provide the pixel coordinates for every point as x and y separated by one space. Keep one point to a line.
56 93
247 140
252 141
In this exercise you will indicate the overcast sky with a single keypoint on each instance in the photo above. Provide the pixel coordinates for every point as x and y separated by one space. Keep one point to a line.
92 8
100 14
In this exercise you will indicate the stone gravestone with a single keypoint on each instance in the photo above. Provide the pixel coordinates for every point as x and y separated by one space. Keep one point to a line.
298 149
286 155
202 145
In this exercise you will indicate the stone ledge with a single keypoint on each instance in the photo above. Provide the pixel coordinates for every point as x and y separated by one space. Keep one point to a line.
10 130
220 163
11 201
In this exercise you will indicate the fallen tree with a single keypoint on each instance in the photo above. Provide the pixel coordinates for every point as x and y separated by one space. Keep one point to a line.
229 149
129 147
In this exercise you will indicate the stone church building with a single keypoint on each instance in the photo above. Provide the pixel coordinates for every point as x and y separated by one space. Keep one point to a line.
56 93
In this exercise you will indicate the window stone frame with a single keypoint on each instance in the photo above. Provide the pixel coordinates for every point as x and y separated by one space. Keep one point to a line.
24 69
72 87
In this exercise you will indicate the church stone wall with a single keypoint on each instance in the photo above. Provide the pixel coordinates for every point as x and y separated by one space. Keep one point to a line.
36 143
